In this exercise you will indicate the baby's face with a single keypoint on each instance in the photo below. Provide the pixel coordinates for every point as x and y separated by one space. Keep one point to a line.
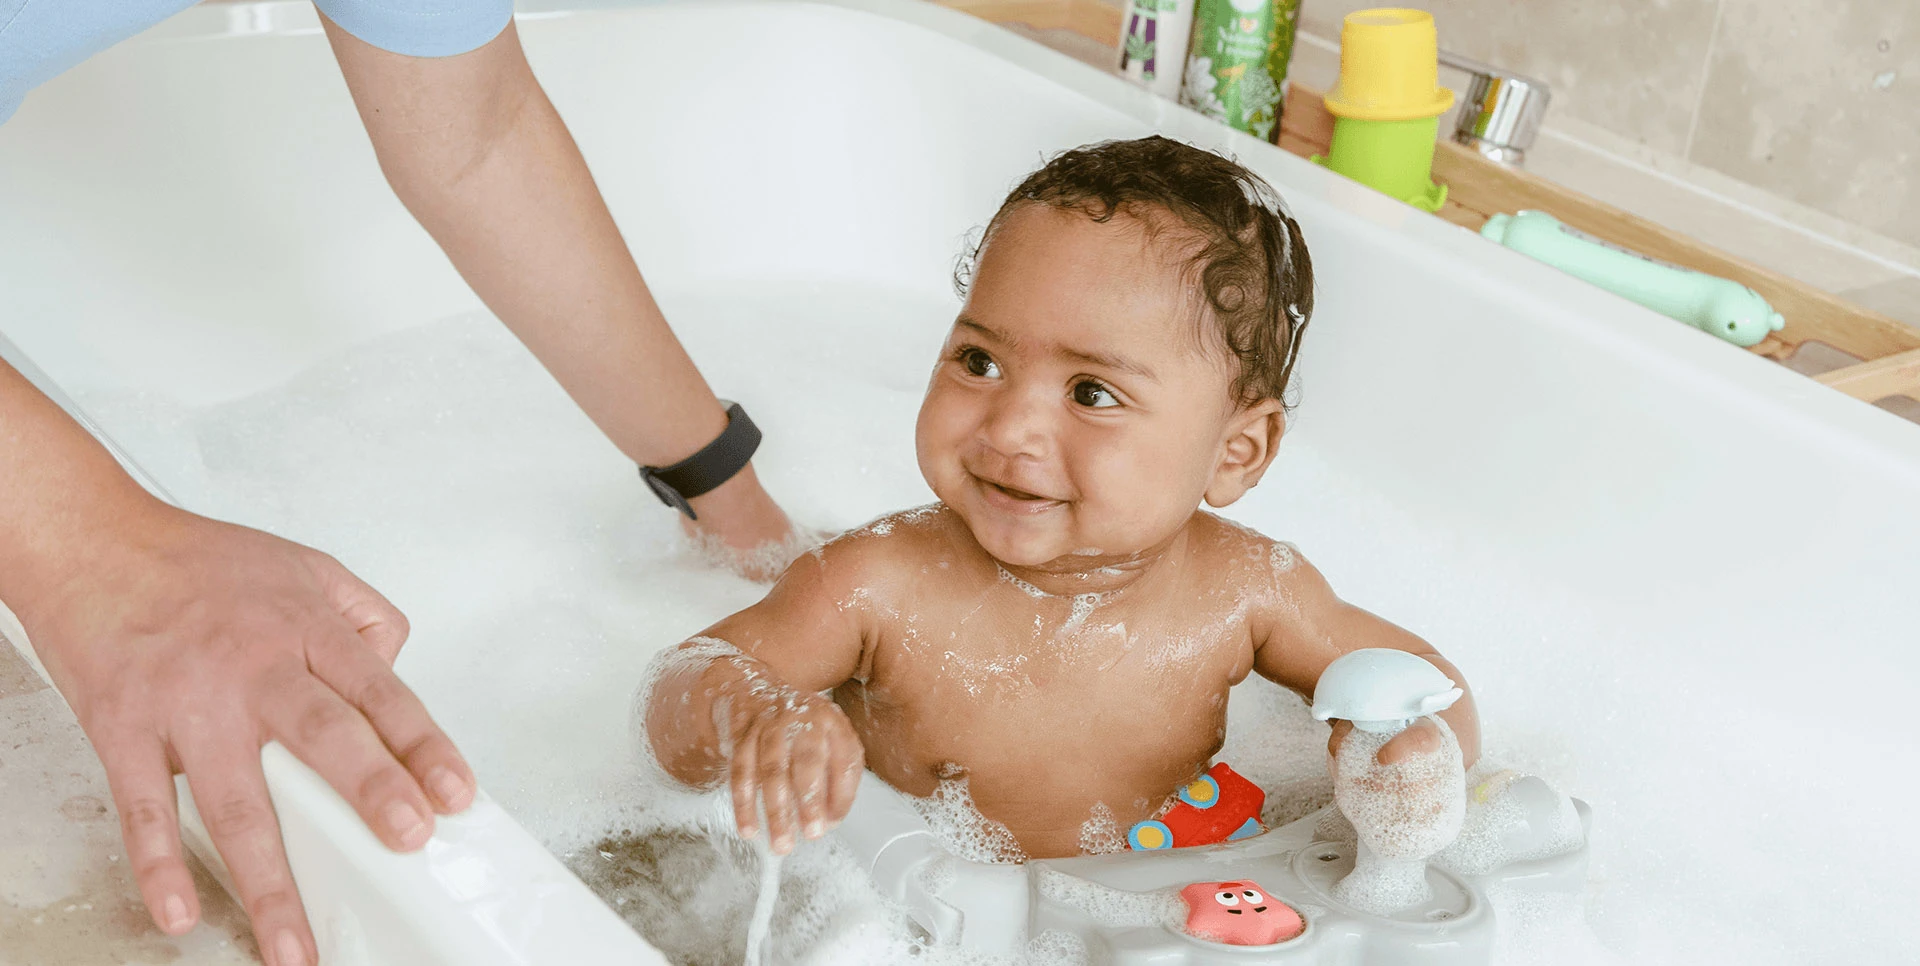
1076 410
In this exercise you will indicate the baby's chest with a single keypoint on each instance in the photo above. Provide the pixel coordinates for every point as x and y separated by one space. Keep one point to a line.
1092 672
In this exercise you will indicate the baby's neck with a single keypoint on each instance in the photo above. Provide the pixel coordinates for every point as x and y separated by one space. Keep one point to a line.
1075 574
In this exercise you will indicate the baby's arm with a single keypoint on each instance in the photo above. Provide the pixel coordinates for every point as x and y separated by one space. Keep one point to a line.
757 717
1305 626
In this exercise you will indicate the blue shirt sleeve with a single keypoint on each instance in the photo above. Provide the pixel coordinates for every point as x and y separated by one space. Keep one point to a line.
42 38
421 28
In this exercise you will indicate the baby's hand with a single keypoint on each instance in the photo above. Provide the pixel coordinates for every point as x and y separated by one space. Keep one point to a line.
1420 738
799 753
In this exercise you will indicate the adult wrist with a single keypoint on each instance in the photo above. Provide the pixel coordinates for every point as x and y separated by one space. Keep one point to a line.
87 533
710 468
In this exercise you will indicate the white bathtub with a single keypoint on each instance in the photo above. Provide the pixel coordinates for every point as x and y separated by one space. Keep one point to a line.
1634 539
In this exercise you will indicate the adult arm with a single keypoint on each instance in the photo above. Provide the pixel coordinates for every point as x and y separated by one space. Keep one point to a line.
473 148
183 645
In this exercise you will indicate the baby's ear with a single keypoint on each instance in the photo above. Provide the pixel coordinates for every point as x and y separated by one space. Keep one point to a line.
1253 436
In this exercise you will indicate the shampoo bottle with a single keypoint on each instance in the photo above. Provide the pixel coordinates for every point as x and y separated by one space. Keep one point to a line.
1153 51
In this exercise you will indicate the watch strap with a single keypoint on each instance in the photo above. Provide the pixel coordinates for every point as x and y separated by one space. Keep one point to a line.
703 472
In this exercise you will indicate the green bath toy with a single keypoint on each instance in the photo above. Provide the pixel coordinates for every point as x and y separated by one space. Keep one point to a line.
1387 104
1394 158
1722 307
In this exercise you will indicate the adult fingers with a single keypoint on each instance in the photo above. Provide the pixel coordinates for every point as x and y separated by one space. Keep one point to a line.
809 778
366 681
142 784
774 768
746 785
371 615
224 773
332 737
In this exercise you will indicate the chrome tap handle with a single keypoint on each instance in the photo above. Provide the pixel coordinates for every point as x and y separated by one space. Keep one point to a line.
1501 111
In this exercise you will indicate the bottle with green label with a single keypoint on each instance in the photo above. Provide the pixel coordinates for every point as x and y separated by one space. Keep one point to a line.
1237 65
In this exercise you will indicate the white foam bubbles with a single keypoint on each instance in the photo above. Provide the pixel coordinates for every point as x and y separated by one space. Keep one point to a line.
1100 834
1510 818
962 829
1118 908
1401 813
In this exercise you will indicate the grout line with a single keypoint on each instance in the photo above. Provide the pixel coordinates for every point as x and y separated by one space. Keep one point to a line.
1706 73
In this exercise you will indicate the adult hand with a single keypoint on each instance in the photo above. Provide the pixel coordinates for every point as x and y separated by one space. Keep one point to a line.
186 644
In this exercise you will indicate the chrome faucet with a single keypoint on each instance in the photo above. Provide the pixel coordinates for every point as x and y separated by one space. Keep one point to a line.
1501 111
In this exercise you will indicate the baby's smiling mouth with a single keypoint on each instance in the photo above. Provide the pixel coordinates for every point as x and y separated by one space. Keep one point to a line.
1016 494
1015 499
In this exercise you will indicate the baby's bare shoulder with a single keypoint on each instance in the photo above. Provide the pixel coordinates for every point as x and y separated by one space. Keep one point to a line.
1243 554
879 559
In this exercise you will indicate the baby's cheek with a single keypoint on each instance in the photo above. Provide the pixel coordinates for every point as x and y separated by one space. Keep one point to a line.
1133 498
936 445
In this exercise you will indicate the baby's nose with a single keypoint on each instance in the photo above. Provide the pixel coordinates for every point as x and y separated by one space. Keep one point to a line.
1019 424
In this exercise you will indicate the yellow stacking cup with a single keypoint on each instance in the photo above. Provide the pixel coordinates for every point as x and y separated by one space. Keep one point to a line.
1389 67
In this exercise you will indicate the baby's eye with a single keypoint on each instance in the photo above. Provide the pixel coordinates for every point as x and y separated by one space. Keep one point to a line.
1094 395
978 362
1226 898
1253 897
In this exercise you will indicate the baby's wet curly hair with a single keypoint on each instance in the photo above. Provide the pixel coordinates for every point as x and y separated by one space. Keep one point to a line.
1252 266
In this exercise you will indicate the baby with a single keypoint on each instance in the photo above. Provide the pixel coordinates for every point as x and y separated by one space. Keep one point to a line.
1063 627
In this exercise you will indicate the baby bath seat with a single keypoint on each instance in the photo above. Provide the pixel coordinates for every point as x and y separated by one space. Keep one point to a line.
1117 905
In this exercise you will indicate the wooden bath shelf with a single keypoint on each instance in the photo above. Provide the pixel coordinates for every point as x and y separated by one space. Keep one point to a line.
1478 188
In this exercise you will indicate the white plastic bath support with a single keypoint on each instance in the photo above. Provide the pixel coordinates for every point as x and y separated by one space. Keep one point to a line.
980 905
482 891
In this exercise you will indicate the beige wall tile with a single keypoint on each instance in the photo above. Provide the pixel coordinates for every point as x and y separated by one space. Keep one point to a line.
1632 66
1816 101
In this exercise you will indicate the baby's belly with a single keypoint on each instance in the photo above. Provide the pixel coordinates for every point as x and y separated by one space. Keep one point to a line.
1061 780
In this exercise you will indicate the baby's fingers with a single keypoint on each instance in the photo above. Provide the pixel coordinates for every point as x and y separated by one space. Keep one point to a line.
1420 738
810 758
1341 728
774 768
746 787
846 763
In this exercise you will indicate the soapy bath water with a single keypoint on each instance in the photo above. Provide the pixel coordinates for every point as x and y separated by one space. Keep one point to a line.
442 465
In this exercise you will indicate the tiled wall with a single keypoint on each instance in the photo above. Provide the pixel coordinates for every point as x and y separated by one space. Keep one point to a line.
1816 101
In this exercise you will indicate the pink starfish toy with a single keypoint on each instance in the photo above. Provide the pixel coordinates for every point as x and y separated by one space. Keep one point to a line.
1239 914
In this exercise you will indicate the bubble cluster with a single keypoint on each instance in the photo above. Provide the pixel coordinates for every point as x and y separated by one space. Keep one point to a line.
962 830
1100 834
761 562
1510 818
1114 907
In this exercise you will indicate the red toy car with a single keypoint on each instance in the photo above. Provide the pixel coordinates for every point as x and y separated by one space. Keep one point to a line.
1219 806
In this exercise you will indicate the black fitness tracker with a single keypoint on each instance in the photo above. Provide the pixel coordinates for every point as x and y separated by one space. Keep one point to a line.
715 464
